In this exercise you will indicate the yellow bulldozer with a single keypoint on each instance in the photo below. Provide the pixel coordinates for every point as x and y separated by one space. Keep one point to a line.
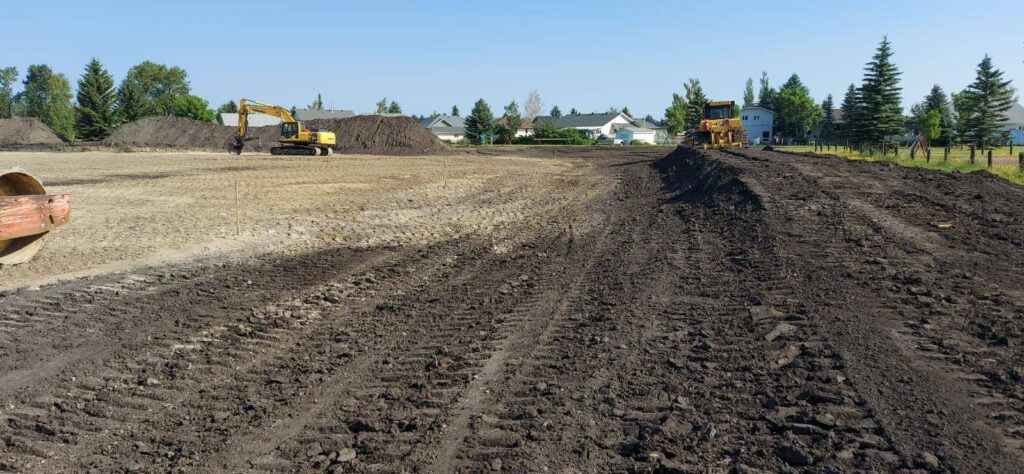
720 128
295 139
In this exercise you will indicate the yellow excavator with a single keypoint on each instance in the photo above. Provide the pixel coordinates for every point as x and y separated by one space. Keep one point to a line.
295 139
720 128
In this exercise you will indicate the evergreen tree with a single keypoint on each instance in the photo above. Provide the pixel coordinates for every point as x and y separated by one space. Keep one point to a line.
748 93
455 111
513 120
961 122
8 76
795 110
990 97
794 82
852 112
95 117
229 107
131 103
574 111
480 122
880 97
48 98
766 96
556 112
625 110
317 104
695 102
394 108
828 126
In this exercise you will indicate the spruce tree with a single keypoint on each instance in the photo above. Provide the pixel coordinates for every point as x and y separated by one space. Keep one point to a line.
695 102
574 111
766 96
880 97
625 110
394 108
480 122
556 112
95 117
317 104
990 97
748 93
229 107
828 125
852 113
795 83
455 111
132 103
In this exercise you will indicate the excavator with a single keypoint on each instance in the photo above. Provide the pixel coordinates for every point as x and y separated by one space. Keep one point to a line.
295 139
720 128
27 214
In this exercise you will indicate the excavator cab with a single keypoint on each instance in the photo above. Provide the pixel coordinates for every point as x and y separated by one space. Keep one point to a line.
289 129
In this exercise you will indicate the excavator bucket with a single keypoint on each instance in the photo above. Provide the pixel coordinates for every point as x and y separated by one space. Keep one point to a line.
27 213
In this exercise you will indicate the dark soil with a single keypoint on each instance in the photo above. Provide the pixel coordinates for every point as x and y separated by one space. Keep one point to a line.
363 134
714 312
26 131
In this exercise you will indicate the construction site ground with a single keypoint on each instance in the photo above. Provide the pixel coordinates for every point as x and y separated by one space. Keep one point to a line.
561 310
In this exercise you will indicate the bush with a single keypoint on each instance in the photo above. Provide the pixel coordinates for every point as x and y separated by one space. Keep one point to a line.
192 107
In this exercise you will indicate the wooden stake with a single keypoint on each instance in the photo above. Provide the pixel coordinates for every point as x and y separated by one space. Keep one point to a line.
445 165
238 213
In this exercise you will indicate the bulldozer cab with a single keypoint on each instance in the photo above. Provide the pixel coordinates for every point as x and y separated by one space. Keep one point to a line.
719 110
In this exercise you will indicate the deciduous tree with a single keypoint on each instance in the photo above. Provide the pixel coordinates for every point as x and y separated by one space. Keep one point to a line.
8 76
95 117
192 107
47 97
513 119
317 104
532 106
382 106
159 86
748 93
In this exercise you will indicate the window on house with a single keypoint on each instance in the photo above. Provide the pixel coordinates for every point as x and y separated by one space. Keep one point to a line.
757 117
744 118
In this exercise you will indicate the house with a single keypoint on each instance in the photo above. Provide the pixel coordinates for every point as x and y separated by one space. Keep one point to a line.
525 127
629 134
591 125
313 114
660 132
1014 124
254 119
445 127
757 123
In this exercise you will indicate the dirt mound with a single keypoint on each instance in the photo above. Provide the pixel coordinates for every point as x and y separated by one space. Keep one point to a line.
364 134
26 131
696 178
380 135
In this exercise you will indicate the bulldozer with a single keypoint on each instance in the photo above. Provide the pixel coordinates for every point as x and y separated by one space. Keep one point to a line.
719 128
27 214
295 139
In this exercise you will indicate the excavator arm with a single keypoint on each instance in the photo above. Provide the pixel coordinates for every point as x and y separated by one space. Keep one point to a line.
295 140
245 106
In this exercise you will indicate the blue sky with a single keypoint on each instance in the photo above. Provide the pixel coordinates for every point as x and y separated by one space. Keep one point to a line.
590 55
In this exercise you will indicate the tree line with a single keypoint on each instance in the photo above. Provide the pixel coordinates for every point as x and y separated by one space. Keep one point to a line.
98 107
872 113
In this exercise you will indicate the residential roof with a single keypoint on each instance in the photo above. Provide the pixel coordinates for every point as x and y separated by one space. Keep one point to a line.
751 107
581 120
525 125
311 114
442 121
645 124
1015 115
254 120
637 129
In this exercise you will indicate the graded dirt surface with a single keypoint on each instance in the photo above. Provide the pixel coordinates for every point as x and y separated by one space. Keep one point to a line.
648 310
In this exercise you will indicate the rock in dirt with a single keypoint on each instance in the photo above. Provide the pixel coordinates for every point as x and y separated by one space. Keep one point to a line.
793 456
26 131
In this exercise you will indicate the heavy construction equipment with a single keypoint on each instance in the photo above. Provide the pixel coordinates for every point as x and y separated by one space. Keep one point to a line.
719 127
294 139
27 213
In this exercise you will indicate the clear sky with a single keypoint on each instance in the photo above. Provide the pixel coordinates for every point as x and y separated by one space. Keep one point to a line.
590 55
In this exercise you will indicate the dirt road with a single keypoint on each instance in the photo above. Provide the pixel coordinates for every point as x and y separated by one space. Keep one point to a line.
692 312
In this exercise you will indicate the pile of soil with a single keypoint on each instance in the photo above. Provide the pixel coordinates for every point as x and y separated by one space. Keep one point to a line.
26 131
364 134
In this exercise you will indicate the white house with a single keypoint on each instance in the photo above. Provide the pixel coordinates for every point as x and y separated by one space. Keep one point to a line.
629 134
1014 124
757 122
445 127
591 125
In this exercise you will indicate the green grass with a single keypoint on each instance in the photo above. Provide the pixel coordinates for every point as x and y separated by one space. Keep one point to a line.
958 161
